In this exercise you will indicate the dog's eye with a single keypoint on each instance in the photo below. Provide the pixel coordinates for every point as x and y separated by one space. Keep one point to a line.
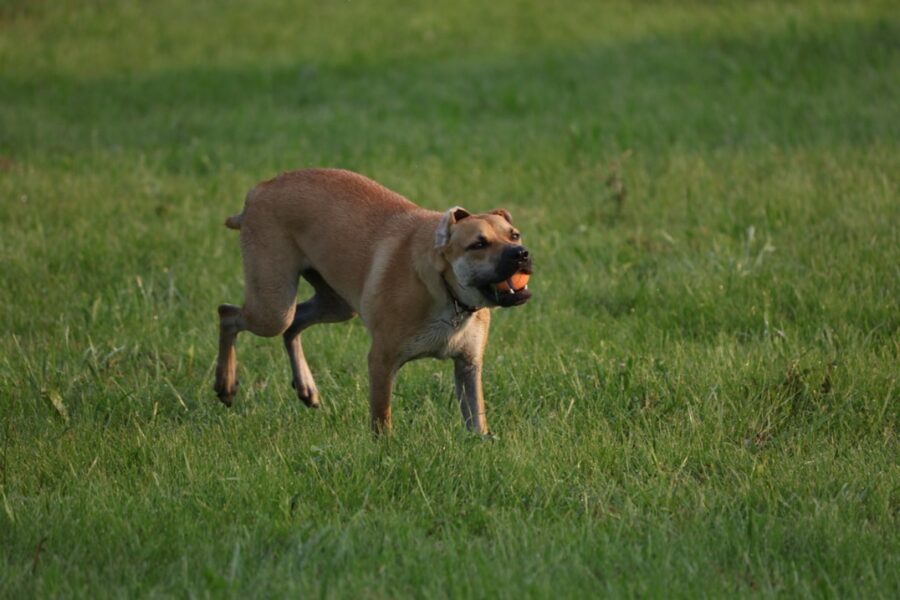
514 236
479 244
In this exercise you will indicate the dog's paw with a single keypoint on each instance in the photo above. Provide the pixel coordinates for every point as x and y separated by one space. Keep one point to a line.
308 394
489 436
226 393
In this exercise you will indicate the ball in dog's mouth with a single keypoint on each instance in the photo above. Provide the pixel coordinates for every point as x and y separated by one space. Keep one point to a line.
516 283
512 291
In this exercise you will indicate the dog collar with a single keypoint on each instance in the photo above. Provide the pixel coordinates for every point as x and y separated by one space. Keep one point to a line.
461 308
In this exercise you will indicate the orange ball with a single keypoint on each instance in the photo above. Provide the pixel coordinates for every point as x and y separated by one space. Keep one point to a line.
518 281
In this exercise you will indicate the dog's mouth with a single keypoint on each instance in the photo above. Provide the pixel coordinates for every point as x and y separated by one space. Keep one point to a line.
504 293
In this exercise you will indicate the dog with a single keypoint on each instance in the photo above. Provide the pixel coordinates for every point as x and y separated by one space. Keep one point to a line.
423 282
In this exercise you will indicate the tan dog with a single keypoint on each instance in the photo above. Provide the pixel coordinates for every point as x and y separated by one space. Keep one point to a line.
423 282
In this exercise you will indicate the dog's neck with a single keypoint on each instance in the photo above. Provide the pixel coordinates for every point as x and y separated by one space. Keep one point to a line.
461 309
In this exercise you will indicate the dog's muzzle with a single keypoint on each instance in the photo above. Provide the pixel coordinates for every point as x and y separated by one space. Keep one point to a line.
513 259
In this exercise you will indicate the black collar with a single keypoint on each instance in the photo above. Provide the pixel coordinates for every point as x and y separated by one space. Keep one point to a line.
462 310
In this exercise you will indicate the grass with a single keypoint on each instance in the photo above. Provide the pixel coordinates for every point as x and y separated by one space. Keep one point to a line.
701 400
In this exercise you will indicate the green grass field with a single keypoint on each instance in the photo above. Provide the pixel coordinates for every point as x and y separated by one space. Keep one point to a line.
701 399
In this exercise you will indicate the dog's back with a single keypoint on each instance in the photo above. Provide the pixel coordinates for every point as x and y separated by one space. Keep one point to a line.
304 197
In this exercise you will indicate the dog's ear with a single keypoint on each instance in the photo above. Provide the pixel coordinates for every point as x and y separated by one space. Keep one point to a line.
450 218
503 213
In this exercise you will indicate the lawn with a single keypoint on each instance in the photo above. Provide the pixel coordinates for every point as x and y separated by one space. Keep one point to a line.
700 400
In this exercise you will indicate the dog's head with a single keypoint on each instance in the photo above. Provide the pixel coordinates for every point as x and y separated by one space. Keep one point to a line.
482 251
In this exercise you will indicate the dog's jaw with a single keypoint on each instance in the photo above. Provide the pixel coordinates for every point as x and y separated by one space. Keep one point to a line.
480 289
507 298
464 284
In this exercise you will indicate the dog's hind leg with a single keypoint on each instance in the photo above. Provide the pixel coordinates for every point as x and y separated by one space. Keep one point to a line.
270 295
230 324
326 306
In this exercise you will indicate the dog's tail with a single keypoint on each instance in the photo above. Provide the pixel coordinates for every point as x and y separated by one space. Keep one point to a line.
234 222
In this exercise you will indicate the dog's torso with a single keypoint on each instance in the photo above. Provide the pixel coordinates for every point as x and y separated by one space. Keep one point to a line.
371 245
447 335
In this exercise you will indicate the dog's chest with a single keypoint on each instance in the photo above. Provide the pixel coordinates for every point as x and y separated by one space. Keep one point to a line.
442 337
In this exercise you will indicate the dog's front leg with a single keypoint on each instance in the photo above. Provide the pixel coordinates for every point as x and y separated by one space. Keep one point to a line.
381 381
468 390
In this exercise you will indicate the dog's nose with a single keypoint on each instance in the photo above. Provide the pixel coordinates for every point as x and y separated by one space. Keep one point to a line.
517 257
521 256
